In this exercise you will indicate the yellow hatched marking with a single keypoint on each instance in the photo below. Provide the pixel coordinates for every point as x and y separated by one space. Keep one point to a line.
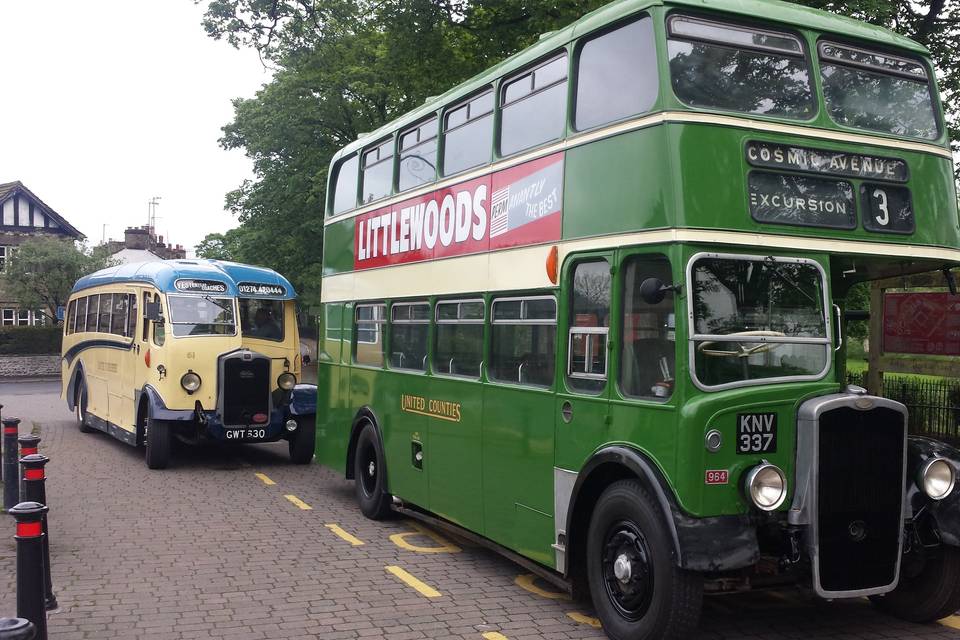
576 616
355 541
423 589
263 478
527 582
444 545
951 621
493 635
297 501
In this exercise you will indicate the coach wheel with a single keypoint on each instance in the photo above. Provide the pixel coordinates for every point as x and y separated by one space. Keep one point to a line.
637 589
81 407
926 595
370 473
301 444
158 439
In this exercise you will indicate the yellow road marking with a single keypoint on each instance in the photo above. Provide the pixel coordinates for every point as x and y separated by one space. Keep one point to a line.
344 535
297 501
576 616
493 635
951 621
267 481
424 589
444 545
526 582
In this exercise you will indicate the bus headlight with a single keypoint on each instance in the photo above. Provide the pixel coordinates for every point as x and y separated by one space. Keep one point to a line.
190 382
766 486
286 381
937 479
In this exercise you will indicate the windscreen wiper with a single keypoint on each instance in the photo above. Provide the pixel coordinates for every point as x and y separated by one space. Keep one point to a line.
223 306
772 263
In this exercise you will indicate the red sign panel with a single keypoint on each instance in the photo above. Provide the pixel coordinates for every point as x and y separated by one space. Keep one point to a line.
921 323
717 476
515 207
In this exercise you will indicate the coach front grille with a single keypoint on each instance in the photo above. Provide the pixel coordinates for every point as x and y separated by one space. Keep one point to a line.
245 389
859 497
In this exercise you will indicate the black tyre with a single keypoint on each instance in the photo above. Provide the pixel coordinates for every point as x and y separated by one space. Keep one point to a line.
370 473
158 440
80 408
302 443
636 587
929 594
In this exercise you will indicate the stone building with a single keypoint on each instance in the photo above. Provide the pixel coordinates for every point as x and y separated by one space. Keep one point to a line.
141 244
23 216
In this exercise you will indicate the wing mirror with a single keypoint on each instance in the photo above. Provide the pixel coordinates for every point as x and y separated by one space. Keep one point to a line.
653 291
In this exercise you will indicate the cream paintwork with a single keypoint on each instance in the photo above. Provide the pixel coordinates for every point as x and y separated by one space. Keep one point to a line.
114 376
646 121
525 268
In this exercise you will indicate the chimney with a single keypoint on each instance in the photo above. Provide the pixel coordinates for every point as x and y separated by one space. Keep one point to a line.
135 238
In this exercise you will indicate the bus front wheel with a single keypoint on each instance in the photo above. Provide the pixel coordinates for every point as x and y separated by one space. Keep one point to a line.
158 442
81 407
637 589
370 473
301 444
928 594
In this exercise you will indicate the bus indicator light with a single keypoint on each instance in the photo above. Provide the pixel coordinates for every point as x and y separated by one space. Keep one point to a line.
552 259
146 358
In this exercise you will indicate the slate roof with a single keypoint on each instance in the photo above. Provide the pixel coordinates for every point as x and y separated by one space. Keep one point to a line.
9 189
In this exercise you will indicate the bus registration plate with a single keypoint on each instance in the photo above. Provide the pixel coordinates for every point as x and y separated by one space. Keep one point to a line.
756 433
245 434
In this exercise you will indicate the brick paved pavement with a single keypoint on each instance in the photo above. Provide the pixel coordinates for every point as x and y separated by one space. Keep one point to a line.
207 549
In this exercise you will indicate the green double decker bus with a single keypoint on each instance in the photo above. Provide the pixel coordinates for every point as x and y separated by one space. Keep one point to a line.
588 306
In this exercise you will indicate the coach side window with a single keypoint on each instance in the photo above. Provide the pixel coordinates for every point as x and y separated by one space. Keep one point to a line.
616 75
368 346
118 322
71 317
159 329
418 155
523 340
81 324
132 316
409 326
459 338
468 134
345 192
378 172
93 310
533 107
589 326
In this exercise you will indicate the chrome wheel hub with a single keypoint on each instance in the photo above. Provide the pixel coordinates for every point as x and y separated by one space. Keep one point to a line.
622 568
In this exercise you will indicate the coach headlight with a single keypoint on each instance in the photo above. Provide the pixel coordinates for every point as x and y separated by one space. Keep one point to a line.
766 485
937 478
286 381
190 382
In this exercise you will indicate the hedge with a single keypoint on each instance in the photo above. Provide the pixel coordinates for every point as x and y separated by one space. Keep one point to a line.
30 340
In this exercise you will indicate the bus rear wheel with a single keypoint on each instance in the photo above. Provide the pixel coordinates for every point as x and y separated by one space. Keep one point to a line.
637 589
302 443
369 470
929 594
158 440
81 407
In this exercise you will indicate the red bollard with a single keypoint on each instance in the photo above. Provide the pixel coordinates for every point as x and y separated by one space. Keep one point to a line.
34 490
30 588
29 445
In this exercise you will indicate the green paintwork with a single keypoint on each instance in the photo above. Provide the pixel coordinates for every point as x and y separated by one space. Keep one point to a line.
492 471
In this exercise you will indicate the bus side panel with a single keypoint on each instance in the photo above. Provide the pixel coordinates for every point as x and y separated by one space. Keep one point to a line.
98 402
518 456
453 460
333 421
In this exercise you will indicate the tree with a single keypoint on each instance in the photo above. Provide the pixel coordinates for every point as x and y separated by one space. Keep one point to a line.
42 272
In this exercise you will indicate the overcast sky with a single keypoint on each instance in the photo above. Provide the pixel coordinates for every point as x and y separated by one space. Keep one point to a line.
107 103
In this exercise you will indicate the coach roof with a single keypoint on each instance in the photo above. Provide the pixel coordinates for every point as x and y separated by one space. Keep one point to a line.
164 273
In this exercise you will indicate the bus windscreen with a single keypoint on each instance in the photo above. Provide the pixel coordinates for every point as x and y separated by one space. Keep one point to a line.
201 315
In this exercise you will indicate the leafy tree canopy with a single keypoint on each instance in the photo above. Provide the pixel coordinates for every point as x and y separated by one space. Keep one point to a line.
43 271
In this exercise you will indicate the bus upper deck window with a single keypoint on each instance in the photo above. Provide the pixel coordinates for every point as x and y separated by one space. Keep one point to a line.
418 155
468 134
345 191
616 75
716 65
378 172
534 107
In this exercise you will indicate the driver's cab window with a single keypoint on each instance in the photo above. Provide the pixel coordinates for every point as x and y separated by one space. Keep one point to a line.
159 328
589 326
648 356
260 318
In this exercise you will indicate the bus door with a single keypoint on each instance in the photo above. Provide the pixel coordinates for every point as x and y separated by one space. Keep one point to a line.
582 408
518 422
129 360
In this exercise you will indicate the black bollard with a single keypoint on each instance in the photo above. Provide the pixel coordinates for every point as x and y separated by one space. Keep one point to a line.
17 629
34 484
30 596
11 483
29 444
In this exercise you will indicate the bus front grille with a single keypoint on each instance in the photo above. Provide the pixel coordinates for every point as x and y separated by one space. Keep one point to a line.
860 488
245 389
